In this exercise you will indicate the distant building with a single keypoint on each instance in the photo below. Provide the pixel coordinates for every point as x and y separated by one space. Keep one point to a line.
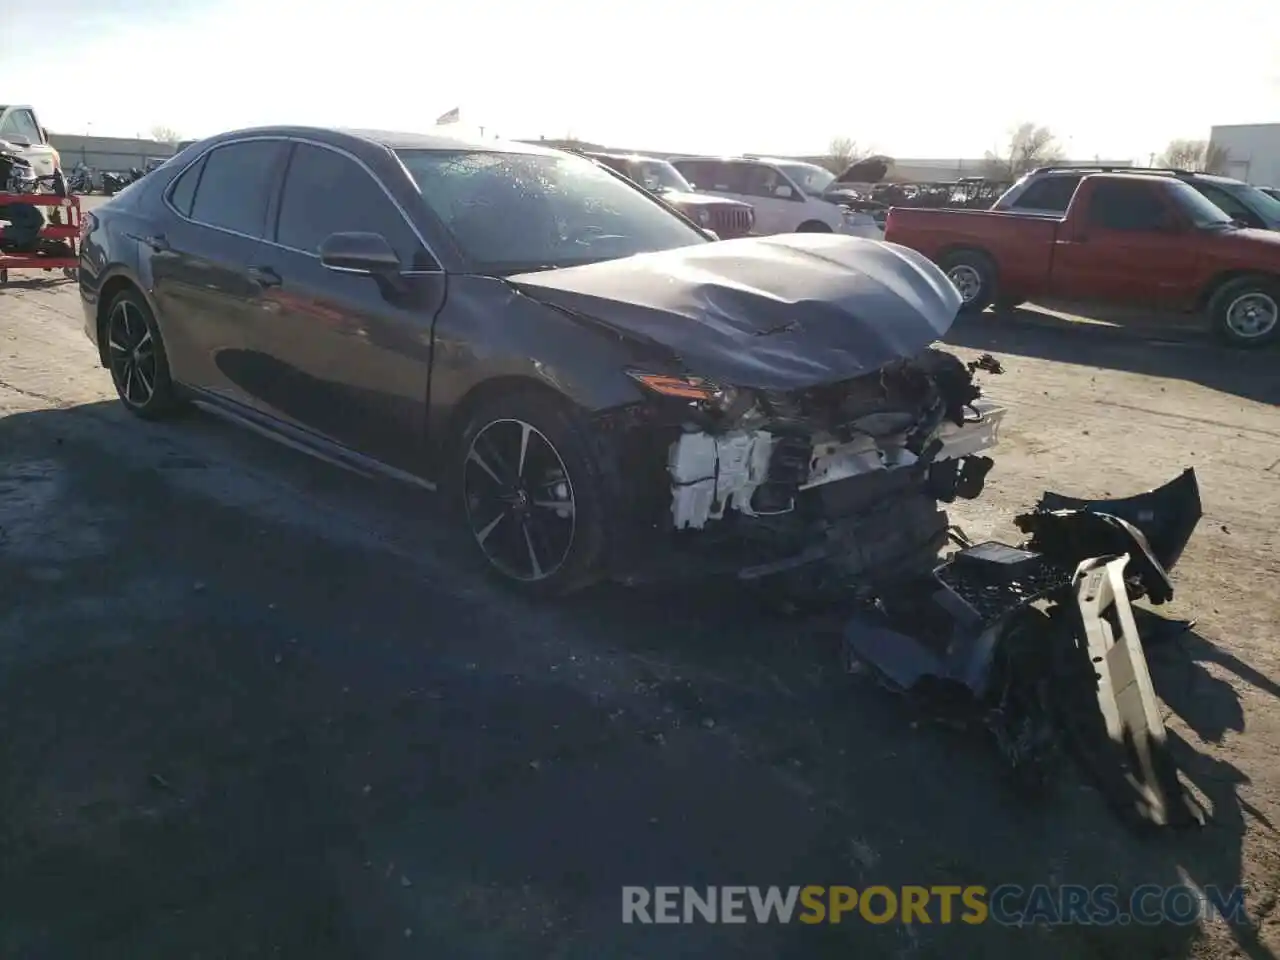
108 153
1253 151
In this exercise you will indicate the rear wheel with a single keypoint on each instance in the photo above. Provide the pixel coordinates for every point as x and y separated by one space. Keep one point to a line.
974 276
813 226
136 358
530 491
1246 312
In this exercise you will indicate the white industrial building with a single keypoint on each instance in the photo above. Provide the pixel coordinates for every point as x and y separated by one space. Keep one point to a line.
1253 151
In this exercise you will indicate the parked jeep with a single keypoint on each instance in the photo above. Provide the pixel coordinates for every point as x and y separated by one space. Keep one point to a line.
728 218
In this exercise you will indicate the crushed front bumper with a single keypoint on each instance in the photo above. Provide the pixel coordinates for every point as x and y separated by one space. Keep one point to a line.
1047 626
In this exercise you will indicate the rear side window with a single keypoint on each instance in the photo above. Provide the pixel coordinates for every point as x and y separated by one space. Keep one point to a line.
326 192
1126 206
1050 193
183 190
235 186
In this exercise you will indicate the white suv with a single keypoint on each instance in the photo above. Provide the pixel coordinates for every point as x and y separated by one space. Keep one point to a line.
21 133
787 194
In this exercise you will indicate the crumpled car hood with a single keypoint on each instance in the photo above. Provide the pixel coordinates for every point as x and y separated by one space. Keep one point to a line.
774 313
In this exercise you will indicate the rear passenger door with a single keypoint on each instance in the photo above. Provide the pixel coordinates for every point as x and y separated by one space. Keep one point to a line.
207 300
352 353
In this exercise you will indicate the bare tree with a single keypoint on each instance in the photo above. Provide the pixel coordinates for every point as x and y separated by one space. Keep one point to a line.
162 134
1198 155
1030 146
842 153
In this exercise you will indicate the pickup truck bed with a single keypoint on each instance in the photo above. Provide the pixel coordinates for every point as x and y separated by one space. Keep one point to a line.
1126 239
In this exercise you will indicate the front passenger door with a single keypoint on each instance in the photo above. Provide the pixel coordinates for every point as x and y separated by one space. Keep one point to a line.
1130 248
352 354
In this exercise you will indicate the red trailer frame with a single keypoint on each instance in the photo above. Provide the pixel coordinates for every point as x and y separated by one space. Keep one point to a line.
68 231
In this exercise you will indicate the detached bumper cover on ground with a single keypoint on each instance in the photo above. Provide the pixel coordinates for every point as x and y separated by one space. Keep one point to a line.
1042 637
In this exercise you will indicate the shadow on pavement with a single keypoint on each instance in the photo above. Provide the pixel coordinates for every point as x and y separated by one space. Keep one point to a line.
1176 354
227 735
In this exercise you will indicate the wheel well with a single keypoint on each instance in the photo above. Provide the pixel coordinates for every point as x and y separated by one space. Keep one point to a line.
110 290
1221 280
483 392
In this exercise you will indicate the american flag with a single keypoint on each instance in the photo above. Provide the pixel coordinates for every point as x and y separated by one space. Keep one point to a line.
450 117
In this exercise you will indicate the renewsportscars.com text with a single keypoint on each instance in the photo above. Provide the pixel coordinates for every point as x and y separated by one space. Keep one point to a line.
1007 905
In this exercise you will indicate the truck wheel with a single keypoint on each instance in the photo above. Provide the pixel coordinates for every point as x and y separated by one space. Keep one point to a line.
529 489
974 276
1246 312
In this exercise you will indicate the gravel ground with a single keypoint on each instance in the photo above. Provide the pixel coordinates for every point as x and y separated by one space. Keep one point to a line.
253 706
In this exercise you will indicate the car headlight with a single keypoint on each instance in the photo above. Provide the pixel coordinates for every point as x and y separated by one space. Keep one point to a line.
704 217
686 388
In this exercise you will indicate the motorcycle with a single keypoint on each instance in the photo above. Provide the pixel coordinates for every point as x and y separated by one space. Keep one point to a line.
80 180
113 183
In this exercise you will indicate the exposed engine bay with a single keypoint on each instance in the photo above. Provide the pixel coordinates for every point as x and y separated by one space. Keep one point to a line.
848 475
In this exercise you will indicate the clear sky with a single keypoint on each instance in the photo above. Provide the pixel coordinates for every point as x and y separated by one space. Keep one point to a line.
943 78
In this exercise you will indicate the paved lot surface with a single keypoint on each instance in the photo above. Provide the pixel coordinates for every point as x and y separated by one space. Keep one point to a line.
252 706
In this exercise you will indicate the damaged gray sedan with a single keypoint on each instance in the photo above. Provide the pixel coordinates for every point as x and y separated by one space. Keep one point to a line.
605 389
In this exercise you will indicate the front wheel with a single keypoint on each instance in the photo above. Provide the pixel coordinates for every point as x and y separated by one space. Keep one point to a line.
530 490
973 275
1246 312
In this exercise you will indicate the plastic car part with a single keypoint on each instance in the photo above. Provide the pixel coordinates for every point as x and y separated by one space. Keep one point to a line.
1167 515
1133 759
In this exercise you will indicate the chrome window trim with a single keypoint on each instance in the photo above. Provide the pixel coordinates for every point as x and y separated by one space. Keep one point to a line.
169 187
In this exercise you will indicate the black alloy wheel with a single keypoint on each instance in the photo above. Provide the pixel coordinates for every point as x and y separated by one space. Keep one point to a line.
520 501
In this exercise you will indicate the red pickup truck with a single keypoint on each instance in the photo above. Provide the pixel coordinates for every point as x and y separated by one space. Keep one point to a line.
1126 239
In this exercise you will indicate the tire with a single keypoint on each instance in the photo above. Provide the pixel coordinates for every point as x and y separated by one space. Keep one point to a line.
813 226
136 358
974 275
1246 312
518 524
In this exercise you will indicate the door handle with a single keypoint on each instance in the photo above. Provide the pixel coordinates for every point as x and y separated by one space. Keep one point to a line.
265 276
158 242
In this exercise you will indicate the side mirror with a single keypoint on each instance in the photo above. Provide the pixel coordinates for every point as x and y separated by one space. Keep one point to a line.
783 192
363 253
18 140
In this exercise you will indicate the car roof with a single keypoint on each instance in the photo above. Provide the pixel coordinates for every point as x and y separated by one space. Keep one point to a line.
1138 171
399 140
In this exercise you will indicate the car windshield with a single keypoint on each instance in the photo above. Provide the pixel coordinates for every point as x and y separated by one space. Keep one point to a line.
659 175
812 179
1202 211
512 212
1265 206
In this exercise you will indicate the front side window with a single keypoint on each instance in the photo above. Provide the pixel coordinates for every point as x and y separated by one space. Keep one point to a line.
511 212
810 178
235 186
1127 206
326 192
20 123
